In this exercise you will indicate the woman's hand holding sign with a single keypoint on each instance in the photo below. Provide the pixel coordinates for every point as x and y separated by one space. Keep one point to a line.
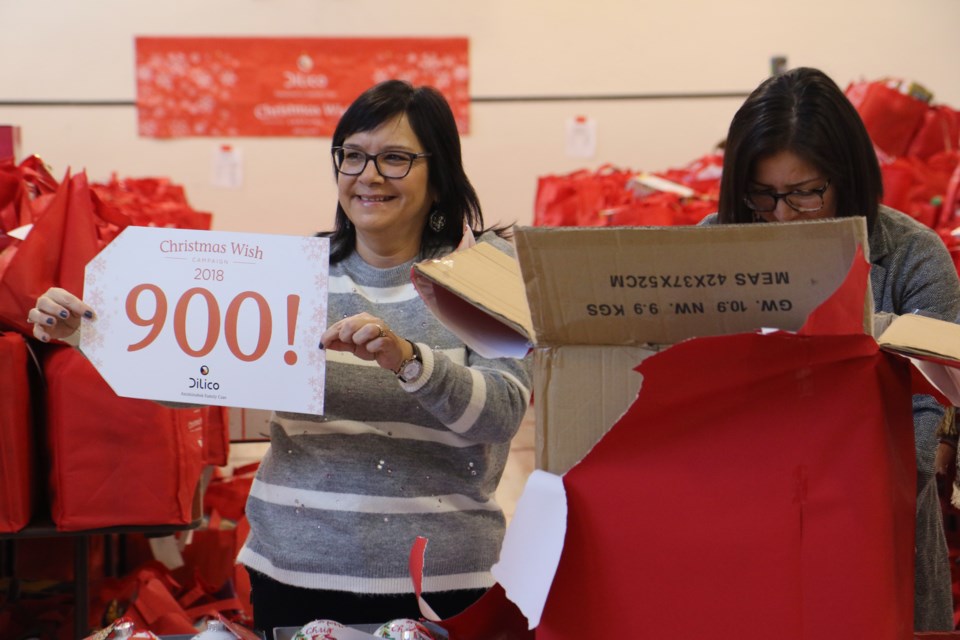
57 316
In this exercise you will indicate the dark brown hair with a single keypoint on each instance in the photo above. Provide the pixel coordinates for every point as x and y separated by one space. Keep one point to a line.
432 121
805 112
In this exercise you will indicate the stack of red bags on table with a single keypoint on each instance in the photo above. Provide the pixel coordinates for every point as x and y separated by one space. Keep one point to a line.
918 143
113 461
622 197
68 441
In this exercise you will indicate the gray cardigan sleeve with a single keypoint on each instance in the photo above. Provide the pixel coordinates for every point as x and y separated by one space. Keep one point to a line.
483 400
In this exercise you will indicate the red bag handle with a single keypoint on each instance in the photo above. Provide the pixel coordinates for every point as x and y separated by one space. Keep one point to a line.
951 201
35 172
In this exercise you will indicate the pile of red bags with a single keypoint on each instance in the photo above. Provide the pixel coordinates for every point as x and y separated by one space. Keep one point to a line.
918 143
72 221
902 119
621 197
150 202
72 450
50 230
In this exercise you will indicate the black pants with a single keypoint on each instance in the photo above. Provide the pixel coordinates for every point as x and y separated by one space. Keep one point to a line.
280 605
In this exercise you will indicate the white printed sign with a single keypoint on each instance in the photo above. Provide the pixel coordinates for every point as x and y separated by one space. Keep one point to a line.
210 317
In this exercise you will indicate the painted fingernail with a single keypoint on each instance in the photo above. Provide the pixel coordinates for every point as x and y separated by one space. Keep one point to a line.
88 314
64 314
320 346
49 320
45 338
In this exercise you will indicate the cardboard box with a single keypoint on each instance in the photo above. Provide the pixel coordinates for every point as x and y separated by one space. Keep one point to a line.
726 482
594 302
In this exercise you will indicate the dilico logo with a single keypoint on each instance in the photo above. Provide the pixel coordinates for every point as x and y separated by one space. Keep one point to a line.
302 78
203 383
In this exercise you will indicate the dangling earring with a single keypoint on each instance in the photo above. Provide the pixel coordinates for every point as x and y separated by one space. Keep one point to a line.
437 221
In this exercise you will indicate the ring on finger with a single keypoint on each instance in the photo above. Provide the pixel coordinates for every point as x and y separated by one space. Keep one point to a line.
382 332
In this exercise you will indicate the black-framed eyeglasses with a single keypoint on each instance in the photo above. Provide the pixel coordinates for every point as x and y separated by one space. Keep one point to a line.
394 164
801 201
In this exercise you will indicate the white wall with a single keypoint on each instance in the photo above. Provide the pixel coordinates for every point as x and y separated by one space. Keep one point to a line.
67 50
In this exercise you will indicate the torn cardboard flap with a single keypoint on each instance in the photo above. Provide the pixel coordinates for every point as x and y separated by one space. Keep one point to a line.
933 346
661 285
485 278
922 337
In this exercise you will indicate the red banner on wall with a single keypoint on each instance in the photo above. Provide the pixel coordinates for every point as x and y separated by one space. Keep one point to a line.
283 86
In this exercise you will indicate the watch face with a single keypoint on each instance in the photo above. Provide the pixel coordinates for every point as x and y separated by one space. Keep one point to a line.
411 370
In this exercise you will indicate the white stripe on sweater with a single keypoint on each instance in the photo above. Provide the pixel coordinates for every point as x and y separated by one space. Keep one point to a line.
354 584
357 503
524 391
478 397
456 355
345 284
404 430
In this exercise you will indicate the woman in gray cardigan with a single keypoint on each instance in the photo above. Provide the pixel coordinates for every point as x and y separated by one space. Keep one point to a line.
416 427
798 150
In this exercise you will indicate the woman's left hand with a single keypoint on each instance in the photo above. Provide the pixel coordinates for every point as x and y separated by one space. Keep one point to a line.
368 338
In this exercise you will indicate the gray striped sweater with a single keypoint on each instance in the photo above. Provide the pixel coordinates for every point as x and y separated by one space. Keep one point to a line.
339 499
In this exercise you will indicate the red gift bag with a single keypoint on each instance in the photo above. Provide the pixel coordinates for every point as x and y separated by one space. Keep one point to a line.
212 551
151 202
939 131
18 185
16 435
227 494
216 436
655 210
116 461
751 511
62 241
948 218
146 597
892 118
702 175
913 185
579 198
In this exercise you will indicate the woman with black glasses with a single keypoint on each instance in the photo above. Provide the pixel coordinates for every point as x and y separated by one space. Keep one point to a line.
798 150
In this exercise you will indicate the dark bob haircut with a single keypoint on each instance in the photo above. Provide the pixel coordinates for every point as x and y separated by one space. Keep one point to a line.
433 123
805 112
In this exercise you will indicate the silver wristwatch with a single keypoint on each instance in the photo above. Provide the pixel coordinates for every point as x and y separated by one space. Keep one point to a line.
411 369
